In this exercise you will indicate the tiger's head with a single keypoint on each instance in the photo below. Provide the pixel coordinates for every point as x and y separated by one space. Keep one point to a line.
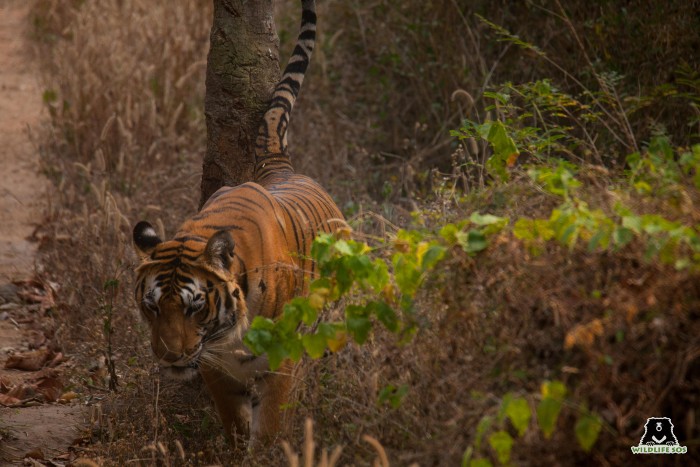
188 296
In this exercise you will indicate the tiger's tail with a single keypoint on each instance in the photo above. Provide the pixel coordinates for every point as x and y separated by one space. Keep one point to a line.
271 143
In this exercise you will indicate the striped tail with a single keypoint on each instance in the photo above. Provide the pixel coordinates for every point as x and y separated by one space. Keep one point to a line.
271 143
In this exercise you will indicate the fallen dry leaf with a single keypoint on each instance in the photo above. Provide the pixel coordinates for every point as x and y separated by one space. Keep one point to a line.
8 401
5 385
37 291
57 360
584 335
29 361
68 396
50 387
22 392
35 453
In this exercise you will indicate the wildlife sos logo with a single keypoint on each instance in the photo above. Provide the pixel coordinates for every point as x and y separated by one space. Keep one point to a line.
658 438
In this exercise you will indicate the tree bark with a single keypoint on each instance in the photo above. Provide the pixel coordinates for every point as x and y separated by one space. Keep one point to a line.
242 71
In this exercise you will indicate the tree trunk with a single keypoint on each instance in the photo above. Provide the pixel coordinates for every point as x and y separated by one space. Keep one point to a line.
242 70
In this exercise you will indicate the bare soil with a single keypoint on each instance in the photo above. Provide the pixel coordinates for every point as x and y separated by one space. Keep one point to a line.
31 427
20 110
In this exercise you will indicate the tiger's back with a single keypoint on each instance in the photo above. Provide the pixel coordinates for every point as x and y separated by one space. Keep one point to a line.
283 214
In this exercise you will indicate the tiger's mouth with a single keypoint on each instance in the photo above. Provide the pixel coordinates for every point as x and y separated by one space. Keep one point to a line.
185 368
180 372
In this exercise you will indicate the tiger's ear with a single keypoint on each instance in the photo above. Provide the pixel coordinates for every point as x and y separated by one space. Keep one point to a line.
145 239
219 251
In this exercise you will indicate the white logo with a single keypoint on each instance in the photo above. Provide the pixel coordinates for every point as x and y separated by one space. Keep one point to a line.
658 438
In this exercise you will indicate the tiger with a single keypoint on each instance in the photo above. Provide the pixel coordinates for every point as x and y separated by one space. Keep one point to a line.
244 254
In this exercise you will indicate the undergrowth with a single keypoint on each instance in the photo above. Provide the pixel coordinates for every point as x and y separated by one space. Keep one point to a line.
521 282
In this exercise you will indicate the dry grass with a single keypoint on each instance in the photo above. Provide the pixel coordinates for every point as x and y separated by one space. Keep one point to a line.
126 91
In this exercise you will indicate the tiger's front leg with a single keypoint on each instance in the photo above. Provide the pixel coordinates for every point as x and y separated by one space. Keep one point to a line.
233 403
270 404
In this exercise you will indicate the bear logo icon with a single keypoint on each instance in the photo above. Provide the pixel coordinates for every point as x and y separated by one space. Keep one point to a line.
658 431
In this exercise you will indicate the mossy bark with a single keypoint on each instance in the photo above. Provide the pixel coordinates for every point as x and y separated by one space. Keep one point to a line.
242 71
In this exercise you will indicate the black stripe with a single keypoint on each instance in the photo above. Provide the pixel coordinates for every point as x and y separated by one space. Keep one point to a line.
190 238
217 299
185 280
307 16
299 66
228 301
242 273
308 35
295 228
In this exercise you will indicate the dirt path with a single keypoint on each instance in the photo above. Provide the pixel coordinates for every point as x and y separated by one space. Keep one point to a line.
21 188
31 422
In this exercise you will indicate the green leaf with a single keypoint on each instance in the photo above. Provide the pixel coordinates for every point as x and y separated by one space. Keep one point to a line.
480 463
547 413
259 336
344 278
393 395
276 353
490 223
632 223
294 347
308 313
496 167
622 236
432 256
503 148
321 248
485 219
518 411
661 145
359 327
385 314
378 277
291 317
314 344
501 142
642 187
481 428
49 96
533 229
569 236
357 322
449 233
553 393
343 247
500 97
587 430
597 238
407 276
111 283
475 242
502 443
466 456
554 389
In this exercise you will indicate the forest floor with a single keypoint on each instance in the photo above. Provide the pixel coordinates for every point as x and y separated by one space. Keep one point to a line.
31 423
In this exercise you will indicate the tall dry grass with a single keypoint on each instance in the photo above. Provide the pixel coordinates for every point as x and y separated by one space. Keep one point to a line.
124 87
